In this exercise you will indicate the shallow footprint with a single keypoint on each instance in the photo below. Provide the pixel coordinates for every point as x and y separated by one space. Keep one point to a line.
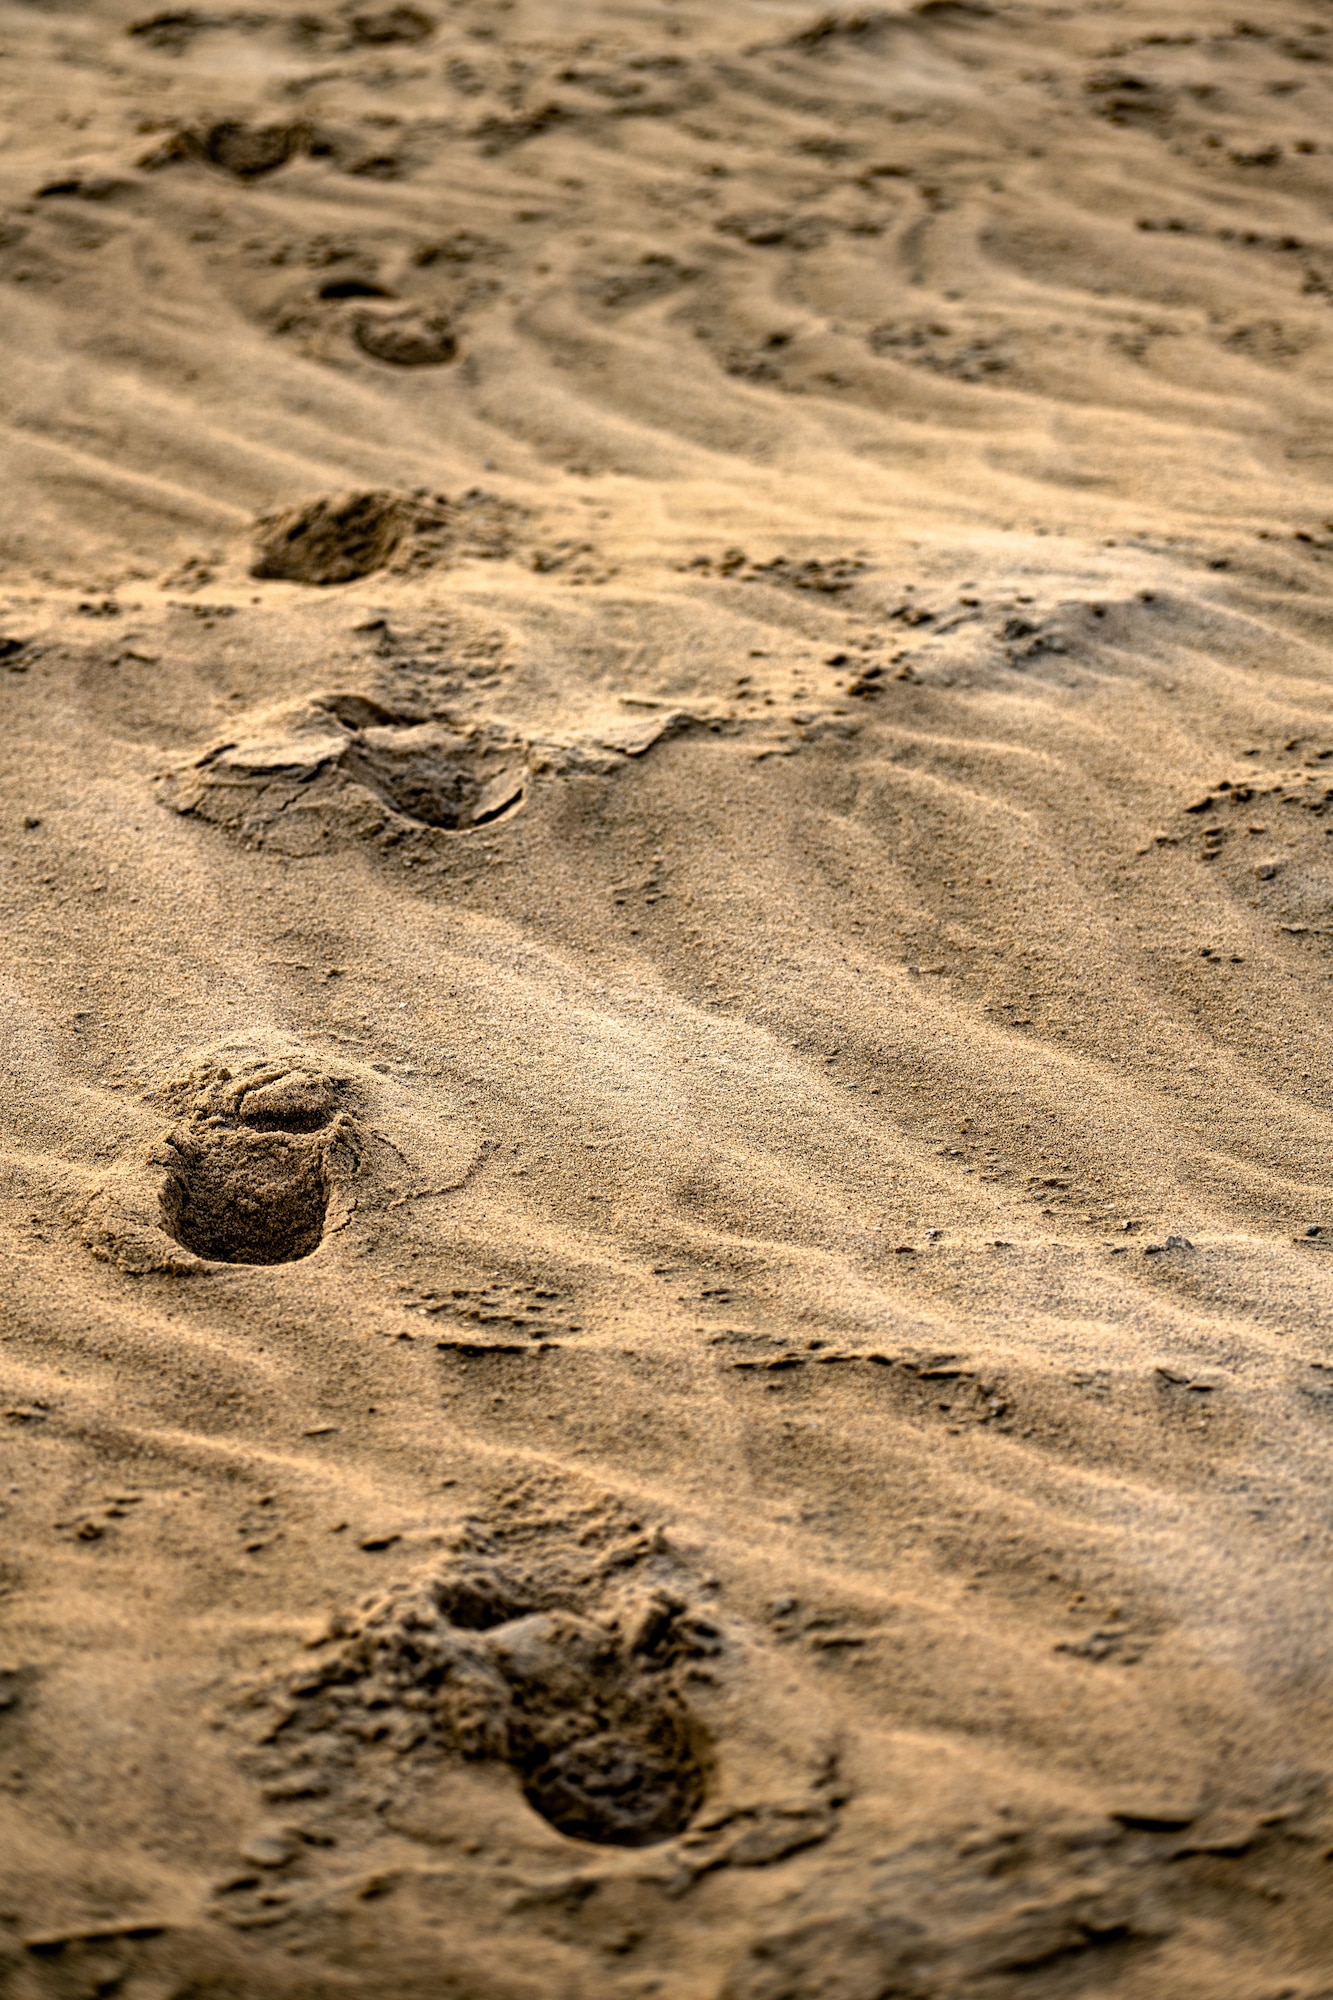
329 768
585 1713
408 339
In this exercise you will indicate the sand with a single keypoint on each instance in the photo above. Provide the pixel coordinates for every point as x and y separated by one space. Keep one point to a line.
667 1228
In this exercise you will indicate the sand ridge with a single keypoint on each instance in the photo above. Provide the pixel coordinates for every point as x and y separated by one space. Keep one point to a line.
666 681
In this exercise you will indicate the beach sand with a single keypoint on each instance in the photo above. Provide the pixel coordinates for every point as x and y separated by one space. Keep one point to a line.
664 804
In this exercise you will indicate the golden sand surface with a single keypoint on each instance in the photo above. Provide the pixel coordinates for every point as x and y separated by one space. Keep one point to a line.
665 782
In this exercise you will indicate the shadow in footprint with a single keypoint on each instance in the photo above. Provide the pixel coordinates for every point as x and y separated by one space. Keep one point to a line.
601 1758
248 1170
332 765
585 1713
341 537
407 339
430 774
354 288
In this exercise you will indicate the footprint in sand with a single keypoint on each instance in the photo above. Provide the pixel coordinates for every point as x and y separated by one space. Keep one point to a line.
272 1155
432 774
400 334
376 26
248 1168
602 1759
585 1713
246 152
340 537
407 339
342 766
333 540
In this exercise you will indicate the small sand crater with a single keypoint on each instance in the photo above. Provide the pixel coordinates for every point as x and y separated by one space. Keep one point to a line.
248 1167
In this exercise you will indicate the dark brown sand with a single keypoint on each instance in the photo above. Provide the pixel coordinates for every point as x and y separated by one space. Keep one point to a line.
665 795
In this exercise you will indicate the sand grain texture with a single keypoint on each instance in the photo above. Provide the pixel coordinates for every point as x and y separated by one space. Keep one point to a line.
668 1243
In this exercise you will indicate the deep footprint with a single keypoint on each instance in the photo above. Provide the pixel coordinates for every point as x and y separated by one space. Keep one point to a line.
341 537
248 1177
585 1713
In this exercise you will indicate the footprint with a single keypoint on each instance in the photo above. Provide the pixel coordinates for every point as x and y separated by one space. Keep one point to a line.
341 537
332 540
342 767
248 1168
246 152
272 1154
376 26
586 1713
602 1759
357 314
332 765
408 339
430 773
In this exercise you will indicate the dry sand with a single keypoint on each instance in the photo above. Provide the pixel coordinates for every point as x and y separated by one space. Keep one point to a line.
668 1242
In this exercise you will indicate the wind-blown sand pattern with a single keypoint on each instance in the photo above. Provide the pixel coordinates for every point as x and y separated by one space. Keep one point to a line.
667 1213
